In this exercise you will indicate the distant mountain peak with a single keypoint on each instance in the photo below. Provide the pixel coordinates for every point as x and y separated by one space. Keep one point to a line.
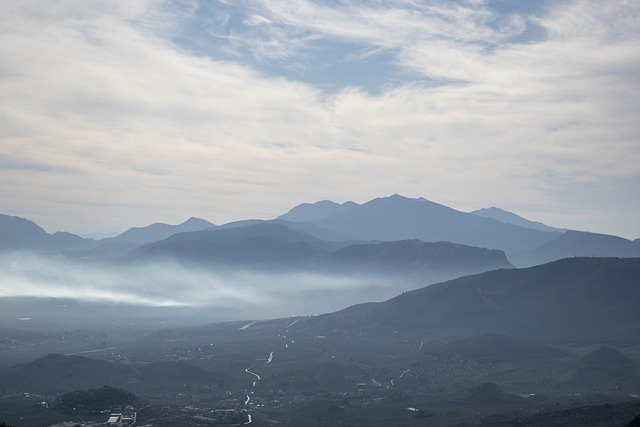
398 197
311 212
197 221
405 201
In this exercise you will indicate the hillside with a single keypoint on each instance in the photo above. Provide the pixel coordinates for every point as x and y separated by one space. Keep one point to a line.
55 374
571 299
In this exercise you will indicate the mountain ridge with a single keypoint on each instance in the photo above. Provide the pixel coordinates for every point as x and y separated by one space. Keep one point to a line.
569 299
160 231
400 218
18 233
512 218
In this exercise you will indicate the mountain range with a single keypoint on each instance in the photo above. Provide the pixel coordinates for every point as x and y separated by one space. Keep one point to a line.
573 299
525 242
388 219
488 343
268 246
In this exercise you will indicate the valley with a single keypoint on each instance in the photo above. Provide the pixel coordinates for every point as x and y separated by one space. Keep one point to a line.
267 323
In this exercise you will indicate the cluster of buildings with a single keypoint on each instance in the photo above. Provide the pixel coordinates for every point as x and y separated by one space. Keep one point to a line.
122 419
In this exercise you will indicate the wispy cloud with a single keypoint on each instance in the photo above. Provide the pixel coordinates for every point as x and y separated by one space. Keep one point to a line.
156 119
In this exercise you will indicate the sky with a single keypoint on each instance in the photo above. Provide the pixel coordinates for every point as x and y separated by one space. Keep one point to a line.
123 113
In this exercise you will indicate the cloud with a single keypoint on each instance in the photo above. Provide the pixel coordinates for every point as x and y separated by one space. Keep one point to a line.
117 110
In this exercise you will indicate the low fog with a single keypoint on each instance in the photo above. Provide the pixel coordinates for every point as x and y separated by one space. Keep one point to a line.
162 288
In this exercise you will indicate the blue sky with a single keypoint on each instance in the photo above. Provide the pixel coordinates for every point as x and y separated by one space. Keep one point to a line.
122 113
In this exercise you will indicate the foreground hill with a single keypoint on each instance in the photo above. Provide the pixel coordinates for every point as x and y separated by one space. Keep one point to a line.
592 299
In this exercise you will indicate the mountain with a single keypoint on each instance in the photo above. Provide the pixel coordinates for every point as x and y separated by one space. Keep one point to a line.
259 245
603 368
302 227
427 262
310 212
571 299
579 244
21 234
115 248
160 231
511 218
400 218
269 245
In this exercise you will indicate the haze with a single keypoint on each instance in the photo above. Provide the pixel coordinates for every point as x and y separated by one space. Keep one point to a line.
223 293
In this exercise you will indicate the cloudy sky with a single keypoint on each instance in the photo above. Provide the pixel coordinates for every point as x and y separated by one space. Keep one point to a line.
116 114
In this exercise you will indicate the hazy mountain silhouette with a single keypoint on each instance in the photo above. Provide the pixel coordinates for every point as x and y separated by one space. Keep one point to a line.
113 248
396 218
579 243
309 228
269 245
21 234
310 212
511 218
400 218
160 231
260 245
424 261
571 299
